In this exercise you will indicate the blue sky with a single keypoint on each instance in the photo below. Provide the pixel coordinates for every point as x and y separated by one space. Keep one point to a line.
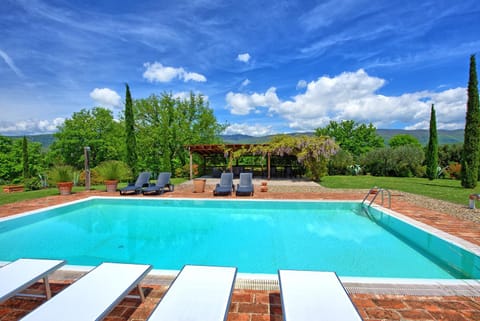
265 66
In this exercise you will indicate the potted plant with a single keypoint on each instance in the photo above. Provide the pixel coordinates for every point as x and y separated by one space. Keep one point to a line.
112 171
62 175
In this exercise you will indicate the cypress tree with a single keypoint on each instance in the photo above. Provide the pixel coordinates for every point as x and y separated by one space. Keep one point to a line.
471 142
130 133
432 148
26 171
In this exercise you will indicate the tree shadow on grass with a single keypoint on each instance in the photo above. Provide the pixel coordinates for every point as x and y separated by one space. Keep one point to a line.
443 185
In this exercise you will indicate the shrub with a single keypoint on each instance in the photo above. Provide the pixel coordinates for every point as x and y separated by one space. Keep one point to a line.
113 170
32 184
450 153
354 169
406 160
340 162
376 162
184 171
453 170
402 161
61 173
95 178
421 171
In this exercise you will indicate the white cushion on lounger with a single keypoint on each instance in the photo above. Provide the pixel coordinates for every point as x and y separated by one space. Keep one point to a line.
200 293
311 295
93 295
22 273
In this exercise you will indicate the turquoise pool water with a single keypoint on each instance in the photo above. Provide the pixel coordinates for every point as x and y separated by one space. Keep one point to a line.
255 236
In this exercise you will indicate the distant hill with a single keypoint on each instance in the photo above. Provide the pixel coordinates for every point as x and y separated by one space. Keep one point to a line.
444 137
246 139
45 139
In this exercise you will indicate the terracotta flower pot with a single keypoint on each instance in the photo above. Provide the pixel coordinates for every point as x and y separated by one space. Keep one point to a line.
111 185
65 188
199 185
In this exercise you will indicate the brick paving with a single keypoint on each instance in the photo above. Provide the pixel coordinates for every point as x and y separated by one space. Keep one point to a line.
254 305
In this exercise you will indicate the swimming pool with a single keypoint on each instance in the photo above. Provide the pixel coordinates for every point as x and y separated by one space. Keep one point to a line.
256 236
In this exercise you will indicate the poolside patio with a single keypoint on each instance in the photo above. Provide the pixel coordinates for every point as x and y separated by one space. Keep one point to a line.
264 304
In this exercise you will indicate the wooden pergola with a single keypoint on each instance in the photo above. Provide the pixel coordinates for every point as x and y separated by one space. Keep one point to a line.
226 150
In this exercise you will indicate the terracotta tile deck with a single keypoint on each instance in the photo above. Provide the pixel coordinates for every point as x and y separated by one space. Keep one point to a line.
253 305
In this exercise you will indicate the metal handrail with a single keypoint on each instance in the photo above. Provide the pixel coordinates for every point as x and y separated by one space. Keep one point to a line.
376 191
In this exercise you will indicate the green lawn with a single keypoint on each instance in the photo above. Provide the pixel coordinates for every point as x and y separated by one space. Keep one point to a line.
6 198
443 189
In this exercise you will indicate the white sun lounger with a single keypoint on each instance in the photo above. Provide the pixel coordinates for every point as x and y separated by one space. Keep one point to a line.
20 274
93 295
311 295
199 293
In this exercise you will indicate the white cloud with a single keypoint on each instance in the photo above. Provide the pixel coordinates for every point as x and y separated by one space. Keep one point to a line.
239 104
106 97
193 76
251 130
243 104
30 127
353 95
450 110
156 72
301 84
246 82
181 95
10 63
244 57
186 95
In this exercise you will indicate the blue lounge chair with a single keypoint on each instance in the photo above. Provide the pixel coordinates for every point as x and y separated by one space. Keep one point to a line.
225 187
136 188
199 293
312 295
245 188
163 181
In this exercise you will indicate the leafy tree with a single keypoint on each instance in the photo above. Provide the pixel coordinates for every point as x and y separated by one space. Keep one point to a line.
197 123
26 170
36 158
95 128
340 162
407 161
167 125
432 148
352 137
450 153
12 159
130 139
471 142
149 118
402 140
7 164
377 162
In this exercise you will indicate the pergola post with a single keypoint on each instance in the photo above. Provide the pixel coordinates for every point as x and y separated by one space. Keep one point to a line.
204 164
191 163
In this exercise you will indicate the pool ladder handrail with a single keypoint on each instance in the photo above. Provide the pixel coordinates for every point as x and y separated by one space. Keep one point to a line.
376 191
